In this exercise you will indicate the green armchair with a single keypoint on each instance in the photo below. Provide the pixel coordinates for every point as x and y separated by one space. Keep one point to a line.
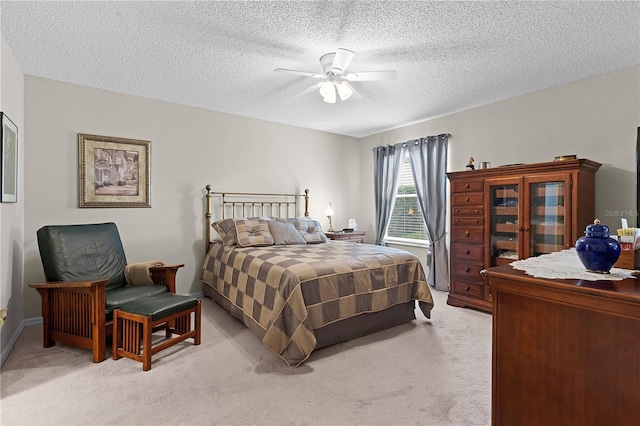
84 266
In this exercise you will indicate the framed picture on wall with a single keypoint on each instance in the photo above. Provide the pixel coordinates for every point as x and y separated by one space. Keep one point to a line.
113 172
9 165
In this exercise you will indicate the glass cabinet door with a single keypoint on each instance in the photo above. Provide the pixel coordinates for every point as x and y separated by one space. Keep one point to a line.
548 224
504 223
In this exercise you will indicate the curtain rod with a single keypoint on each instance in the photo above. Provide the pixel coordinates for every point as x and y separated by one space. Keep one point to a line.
448 135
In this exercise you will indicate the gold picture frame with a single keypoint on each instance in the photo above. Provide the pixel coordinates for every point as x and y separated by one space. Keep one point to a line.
113 172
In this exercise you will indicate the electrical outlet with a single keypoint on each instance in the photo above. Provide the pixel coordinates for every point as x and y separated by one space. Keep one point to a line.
3 315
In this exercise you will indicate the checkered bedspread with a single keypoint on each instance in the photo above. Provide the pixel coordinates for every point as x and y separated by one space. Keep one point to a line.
285 292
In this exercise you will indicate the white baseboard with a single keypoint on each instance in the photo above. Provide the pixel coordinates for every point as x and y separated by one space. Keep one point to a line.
16 335
32 321
14 338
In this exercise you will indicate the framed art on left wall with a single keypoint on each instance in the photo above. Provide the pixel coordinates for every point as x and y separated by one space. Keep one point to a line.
9 164
113 172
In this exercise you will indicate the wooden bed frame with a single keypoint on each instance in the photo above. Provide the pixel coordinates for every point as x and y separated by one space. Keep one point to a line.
287 205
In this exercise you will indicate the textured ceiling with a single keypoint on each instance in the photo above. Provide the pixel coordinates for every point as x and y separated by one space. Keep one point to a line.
450 56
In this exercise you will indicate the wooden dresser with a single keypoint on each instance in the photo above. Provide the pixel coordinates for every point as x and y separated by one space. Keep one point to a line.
354 236
565 352
507 213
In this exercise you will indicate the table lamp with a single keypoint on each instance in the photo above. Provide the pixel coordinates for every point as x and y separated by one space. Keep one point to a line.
329 213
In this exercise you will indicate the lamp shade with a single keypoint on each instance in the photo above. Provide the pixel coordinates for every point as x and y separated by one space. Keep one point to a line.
326 88
328 92
330 99
344 91
329 211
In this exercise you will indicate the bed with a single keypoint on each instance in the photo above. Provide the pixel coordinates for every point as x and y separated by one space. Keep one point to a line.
296 290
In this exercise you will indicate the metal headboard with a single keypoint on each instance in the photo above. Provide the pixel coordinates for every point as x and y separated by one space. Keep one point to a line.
250 204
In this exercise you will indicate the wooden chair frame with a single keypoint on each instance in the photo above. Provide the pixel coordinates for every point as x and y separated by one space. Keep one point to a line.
74 312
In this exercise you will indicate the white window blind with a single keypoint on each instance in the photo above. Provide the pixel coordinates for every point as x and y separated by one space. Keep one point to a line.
407 223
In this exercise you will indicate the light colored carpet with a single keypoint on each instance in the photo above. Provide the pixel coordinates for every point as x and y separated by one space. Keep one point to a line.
427 372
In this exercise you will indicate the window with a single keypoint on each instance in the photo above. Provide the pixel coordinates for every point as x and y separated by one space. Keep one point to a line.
407 223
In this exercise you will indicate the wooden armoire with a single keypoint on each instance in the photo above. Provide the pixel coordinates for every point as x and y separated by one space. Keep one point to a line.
507 213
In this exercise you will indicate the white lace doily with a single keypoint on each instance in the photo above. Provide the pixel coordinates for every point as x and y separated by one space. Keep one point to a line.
565 264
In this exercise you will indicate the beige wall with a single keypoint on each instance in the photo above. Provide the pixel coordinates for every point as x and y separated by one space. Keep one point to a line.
190 148
595 118
12 214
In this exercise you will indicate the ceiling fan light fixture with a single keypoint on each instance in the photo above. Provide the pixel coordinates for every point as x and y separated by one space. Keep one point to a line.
326 88
328 92
331 99
344 91
337 79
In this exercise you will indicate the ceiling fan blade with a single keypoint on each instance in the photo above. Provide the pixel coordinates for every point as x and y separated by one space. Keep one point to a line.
342 60
371 75
303 73
355 94
309 89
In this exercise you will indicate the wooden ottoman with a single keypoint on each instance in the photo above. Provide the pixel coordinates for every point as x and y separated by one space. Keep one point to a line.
135 322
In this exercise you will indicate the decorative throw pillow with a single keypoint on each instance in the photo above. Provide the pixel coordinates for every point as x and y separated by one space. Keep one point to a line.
227 230
253 233
310 231
285 233
304 222
215 236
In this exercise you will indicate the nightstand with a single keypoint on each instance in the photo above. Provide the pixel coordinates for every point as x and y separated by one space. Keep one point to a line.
354 237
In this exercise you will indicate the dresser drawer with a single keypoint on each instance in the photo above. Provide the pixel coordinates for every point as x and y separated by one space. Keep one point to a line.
468 211
468 234
469 198
477 185
468 253
477 220
468 271
470 289
352 238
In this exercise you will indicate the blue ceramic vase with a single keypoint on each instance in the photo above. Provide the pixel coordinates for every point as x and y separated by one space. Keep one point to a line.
597 251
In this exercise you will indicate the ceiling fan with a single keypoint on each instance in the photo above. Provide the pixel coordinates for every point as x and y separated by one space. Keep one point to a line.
336 79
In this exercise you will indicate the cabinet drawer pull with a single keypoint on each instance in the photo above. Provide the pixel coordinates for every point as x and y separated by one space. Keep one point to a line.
526 228
467 251
477 211
466 269
467 199
466 233
467 288
466 186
